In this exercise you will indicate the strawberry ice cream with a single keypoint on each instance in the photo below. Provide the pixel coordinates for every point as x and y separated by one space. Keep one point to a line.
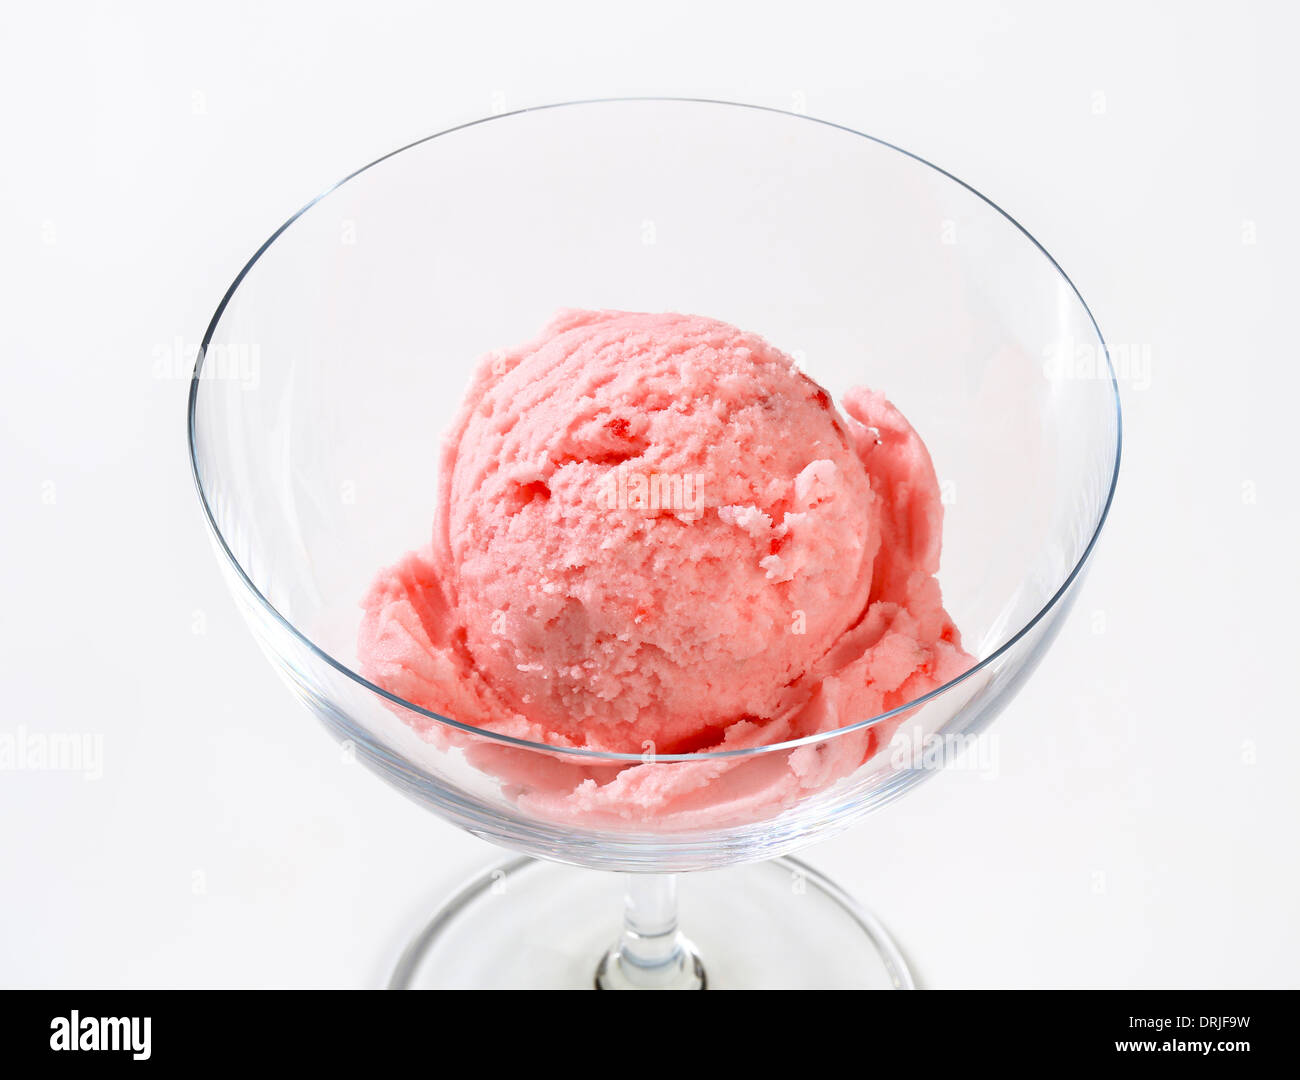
656 535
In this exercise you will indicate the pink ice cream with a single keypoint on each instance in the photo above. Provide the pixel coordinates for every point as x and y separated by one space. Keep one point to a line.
656 535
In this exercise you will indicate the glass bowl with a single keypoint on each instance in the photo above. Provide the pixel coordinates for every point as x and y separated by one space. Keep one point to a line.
339 356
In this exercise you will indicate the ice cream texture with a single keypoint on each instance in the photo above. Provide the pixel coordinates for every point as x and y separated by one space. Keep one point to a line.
656 535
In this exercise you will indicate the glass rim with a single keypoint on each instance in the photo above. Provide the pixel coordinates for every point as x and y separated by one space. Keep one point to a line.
628 757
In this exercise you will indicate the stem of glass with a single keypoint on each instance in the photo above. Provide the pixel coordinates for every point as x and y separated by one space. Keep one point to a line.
652 953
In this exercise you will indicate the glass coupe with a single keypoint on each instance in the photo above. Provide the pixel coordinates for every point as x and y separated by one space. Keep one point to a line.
340 353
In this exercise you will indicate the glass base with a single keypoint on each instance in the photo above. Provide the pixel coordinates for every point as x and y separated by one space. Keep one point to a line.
532 925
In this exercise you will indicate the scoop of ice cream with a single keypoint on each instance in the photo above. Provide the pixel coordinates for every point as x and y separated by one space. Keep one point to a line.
655 533
650 525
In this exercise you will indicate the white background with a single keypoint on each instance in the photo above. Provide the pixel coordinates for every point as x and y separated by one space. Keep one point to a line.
1140 830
